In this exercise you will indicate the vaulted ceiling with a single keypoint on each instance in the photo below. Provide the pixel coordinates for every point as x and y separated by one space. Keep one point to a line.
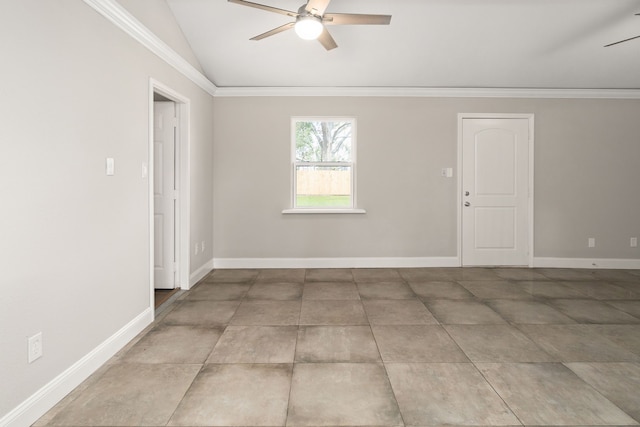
429 43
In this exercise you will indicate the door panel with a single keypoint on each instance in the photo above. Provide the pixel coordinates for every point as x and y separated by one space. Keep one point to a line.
495 228
495 185
164 195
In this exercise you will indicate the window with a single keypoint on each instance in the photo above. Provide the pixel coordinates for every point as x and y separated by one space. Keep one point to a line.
323 152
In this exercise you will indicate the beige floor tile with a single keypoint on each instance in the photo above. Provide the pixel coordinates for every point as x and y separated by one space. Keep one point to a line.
130 395
618 382
519 274
385 290
438 274
398 312
528 312
629 307
376 275
463 312
631 286
591 311
427 274
236 395
447 274
449 290
342 379
626 336
202 313
275 291
576 343
267 313
329 275
542 289
174 344
416 343
496 343
330 291
336 344
566 273
255 344
549 393
341 394
446 394
335 312
602 290
494 289
616 275
208 291
281 275
232 276
473 273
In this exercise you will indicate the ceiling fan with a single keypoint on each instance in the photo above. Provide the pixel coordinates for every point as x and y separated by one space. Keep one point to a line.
311 20
625 40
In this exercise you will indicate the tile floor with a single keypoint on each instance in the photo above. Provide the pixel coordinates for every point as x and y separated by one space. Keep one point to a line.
379 347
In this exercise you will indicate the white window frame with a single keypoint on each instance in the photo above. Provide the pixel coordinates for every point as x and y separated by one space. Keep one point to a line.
352 165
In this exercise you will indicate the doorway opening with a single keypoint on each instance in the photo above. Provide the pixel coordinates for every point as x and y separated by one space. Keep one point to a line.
168 174
495 189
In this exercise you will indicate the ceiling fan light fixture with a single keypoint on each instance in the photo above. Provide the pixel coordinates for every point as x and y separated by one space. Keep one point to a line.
308 27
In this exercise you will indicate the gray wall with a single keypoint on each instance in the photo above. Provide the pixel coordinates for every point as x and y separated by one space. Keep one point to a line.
75 243
586 177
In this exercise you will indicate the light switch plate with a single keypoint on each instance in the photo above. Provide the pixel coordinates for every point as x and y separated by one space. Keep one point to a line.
446 172
110 166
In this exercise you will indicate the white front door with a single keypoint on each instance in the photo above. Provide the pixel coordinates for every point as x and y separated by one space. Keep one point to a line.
495 191
164 195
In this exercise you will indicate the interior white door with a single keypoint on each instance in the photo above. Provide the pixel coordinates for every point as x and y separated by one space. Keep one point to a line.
164 197
495 191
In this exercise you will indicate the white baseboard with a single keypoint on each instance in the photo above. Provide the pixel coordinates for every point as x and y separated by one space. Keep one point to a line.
197 275
603 263
44 399
391 262
336 262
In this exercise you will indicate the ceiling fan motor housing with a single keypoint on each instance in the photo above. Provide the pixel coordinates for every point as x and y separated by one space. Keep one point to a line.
308 26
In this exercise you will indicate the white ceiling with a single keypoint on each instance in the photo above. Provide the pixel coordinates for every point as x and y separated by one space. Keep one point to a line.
430 43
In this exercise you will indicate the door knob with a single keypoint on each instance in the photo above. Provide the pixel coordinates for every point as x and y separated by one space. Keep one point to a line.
467 204
466 193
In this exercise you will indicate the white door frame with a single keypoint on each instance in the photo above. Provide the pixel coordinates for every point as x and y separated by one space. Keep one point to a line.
530 117
183 107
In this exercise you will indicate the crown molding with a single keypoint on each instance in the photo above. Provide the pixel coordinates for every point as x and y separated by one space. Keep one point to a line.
120 17
419 92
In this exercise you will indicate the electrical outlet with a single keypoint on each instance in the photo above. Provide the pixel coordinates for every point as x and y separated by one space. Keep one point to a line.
633 242
197 248
202 246
34 347
592 242
446 172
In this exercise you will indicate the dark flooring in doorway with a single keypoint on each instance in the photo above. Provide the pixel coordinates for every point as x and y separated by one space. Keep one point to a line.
162 295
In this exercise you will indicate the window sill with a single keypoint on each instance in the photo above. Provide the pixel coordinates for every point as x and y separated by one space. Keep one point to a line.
323 211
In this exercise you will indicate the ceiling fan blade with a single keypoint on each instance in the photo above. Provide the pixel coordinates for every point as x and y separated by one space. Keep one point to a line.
326 40
317 7
265 7
355 19
622 41
280 29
